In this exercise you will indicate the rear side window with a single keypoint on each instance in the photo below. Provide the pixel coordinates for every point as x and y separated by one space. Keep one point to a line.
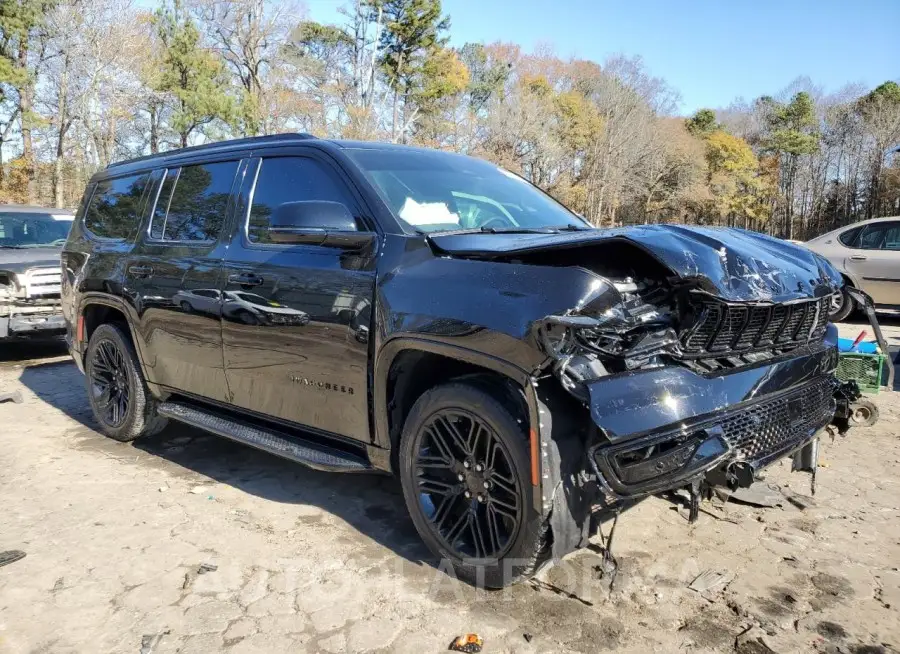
289 179
880 236
115 206
192 202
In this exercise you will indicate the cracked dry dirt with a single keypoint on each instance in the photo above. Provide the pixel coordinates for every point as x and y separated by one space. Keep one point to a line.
309 562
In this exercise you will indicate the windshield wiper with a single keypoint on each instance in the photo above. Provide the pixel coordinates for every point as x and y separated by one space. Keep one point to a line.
571 228
549 229
518 230
12 247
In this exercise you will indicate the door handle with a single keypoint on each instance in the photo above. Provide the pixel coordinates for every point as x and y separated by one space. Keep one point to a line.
858 257
140 271
245 279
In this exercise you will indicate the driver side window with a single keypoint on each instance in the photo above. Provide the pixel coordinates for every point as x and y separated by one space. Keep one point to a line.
281 180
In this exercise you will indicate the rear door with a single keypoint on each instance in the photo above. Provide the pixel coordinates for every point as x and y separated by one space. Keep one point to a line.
874 259
173 275
295 318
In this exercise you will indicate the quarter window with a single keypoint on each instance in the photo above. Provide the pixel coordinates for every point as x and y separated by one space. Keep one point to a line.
891 237
192 202
848 238
289 179
115 206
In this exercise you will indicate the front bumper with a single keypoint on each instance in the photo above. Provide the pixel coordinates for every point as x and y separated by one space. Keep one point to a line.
34 322
663 428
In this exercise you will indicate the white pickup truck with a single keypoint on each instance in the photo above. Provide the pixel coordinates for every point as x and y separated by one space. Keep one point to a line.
31 239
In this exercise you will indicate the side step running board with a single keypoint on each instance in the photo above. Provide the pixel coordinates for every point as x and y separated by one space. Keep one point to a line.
313 455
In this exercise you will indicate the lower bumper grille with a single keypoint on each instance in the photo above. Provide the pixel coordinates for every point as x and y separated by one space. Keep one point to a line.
756 432
762 429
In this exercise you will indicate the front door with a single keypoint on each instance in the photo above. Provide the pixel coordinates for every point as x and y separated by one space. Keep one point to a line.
295 318
875 261
174 274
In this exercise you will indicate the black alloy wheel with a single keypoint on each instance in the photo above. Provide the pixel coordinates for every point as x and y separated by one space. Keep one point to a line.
117 391
468 481
110 383
468 489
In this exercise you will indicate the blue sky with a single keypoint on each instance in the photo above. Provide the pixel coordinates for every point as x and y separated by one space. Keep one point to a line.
712 52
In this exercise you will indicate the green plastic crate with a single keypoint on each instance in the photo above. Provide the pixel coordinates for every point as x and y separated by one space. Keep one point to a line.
864 369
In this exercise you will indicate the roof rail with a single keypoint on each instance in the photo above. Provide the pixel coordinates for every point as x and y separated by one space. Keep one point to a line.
216 145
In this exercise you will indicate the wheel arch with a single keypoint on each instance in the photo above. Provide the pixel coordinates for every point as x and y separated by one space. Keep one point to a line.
97 309
407 367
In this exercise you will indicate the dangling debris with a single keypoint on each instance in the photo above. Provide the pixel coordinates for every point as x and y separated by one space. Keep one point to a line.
470 643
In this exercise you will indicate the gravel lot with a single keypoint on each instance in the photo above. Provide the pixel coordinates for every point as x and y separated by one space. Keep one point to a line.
116 535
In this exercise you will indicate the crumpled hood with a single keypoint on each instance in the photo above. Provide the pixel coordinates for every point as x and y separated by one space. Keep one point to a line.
735 264
20 260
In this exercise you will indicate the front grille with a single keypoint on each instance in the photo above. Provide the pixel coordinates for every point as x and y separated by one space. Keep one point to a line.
765 428
728 328
39 282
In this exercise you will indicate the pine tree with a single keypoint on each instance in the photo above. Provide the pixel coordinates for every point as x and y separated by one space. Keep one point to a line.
192 75
19 20
414 33
794 132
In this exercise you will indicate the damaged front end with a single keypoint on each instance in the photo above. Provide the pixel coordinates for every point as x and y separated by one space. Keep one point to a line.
681 384
687 386
693 356
30 303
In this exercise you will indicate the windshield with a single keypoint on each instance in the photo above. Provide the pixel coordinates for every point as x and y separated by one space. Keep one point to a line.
33 230
435 191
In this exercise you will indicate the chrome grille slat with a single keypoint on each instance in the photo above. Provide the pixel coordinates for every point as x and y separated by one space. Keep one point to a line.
41 281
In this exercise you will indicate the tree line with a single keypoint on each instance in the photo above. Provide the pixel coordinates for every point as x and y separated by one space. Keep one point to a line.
87 82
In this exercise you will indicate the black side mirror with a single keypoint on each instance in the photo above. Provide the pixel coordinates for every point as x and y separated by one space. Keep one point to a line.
314 222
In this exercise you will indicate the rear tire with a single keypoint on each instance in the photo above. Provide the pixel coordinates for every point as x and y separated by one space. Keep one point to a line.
846 307
459 430
117 392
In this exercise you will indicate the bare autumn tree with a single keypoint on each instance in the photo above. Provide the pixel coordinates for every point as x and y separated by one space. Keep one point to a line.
248 35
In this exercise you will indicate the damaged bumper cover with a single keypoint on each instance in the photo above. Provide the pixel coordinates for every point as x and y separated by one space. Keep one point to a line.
30 304
28 319
662 427
665 428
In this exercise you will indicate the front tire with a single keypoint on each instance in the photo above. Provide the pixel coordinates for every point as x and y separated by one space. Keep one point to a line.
465 471
117 392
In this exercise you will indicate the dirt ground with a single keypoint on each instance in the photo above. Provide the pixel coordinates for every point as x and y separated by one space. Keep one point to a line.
116 535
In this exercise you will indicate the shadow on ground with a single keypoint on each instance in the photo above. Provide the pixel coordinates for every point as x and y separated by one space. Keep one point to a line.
373 504
17 352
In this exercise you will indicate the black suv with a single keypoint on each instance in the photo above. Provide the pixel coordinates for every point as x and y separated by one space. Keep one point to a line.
368 307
